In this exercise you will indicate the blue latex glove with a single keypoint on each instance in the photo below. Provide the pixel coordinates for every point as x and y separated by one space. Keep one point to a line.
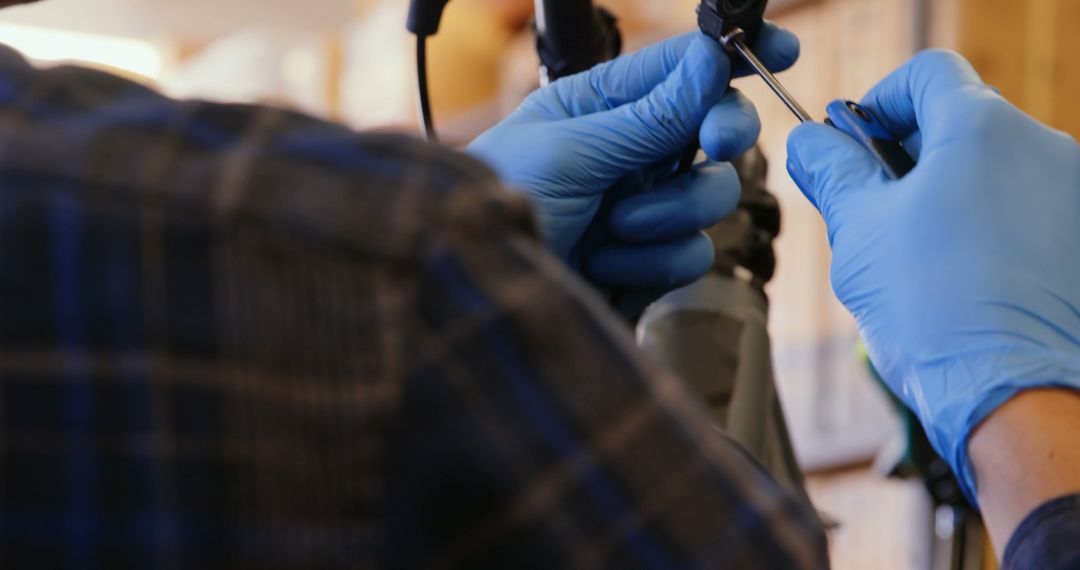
595 153
963 276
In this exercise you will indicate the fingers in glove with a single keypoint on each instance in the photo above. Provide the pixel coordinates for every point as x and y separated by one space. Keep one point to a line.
731 127
680 208
668 264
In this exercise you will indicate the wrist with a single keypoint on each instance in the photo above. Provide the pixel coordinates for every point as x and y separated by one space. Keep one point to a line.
1024 454
953 396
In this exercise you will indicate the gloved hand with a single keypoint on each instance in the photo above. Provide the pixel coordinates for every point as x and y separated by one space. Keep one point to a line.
595 154
963 276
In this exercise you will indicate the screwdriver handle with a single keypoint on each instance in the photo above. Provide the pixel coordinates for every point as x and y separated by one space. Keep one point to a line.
863 126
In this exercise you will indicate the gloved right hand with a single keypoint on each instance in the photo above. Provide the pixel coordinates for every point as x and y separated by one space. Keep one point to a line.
964 276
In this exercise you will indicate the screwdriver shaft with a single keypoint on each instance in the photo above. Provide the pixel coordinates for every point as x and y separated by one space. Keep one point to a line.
736 41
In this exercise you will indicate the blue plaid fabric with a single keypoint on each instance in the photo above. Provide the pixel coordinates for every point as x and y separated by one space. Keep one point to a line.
238 337
1048 538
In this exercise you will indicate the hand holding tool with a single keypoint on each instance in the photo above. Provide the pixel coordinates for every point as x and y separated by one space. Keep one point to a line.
736 25
588 150
961 274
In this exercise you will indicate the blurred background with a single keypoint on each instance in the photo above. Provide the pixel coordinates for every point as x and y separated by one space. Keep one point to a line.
351 61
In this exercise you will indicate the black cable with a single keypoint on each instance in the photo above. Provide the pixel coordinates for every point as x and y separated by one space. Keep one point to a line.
422 95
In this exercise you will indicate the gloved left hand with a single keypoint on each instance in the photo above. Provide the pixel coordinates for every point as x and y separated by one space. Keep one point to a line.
595 154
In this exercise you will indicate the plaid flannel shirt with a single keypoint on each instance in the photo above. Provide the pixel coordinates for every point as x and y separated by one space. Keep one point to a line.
235 336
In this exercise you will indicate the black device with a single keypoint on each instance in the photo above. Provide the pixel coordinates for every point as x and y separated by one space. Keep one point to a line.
424 16
573 36
718 18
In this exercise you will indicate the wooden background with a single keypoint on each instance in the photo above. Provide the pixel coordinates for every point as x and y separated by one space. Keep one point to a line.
1029 50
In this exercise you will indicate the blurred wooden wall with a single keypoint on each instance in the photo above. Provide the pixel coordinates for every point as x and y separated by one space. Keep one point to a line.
1026 48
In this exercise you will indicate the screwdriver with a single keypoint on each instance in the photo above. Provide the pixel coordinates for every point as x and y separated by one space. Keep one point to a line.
735 40
846 116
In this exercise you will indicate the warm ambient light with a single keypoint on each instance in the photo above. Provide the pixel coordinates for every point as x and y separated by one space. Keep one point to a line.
48 45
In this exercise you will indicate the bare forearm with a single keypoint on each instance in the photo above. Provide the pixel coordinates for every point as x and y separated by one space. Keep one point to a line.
1025 455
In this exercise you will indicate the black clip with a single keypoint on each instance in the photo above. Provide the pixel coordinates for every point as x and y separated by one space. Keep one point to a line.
717 18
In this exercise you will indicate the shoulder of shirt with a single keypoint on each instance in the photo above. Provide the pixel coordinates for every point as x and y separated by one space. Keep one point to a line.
123 144
1049 537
